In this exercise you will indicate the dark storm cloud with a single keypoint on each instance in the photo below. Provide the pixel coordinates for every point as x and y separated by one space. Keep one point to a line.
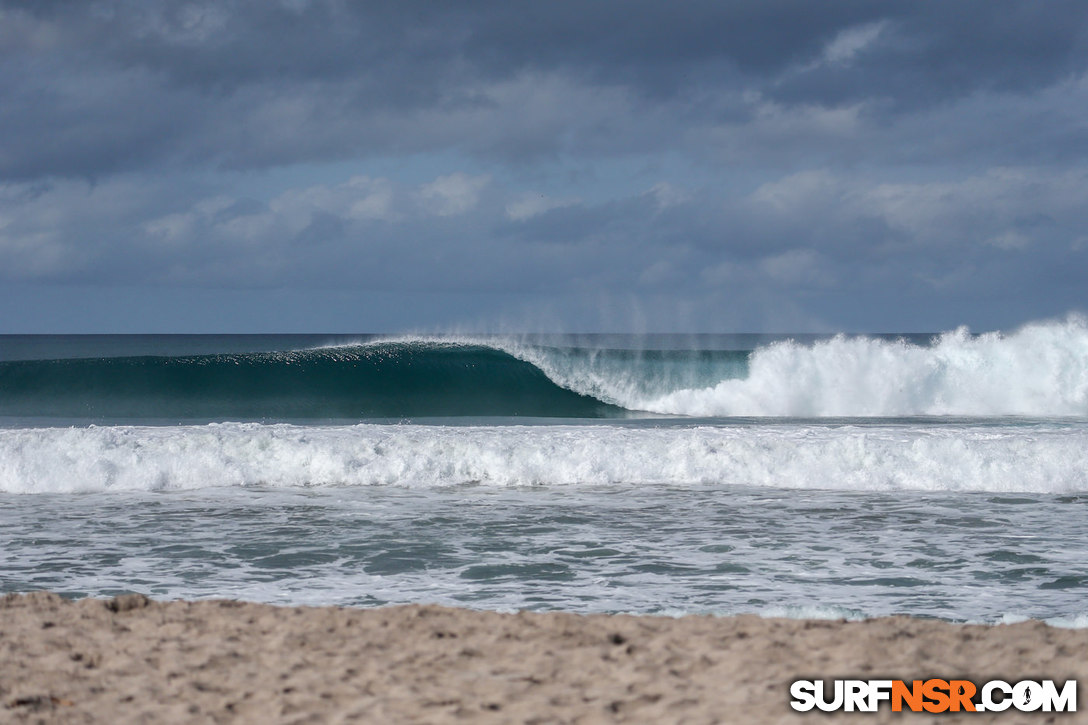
224 45
933 52
751 164
812 246
94 88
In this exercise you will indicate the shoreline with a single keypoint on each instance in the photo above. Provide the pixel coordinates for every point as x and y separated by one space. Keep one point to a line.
134 659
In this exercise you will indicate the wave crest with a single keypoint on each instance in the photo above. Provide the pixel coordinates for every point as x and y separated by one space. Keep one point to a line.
1039 370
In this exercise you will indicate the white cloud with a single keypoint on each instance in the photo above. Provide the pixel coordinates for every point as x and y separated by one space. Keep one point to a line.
773 118
764 130
1010 240
375 199
530 204
453 194
170 228
850 42
666 194
359 198
798 192
796 267
191 24
1007 208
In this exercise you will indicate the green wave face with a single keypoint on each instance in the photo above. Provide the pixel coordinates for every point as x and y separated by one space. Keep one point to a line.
388 380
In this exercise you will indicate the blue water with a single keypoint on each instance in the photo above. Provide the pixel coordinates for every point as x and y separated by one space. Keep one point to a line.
941 476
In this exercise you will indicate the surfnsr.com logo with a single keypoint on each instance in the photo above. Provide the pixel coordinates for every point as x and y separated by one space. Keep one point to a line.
934 696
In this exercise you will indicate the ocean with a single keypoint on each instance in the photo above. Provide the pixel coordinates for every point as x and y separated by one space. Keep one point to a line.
936 475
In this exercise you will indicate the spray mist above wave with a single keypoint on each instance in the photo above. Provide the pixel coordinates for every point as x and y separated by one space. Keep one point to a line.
1050 458
620 377
1038 370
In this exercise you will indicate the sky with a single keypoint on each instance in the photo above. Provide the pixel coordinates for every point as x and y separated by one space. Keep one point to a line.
617 166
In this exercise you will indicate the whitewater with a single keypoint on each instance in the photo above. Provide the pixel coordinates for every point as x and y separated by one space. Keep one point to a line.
1025 457
1039 370
846 475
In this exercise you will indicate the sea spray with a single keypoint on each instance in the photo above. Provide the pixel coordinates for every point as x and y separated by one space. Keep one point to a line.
1040 370
107 485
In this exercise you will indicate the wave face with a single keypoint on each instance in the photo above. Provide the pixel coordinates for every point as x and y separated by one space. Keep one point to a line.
383 380
1040 370
1040 458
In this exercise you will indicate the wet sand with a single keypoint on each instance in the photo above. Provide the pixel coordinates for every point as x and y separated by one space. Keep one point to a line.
134 660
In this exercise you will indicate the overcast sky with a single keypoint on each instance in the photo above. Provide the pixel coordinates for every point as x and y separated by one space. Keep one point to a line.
336 166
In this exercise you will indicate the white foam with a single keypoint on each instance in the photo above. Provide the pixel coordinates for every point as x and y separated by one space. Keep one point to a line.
1040 370
813 611
1050 458
1077 621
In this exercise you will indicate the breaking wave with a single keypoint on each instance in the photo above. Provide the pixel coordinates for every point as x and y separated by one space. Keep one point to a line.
1040 370
1035 457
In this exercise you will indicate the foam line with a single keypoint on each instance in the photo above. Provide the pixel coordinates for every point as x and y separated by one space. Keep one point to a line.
1031 458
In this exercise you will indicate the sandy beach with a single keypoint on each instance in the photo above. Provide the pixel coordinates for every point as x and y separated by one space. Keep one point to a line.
130 659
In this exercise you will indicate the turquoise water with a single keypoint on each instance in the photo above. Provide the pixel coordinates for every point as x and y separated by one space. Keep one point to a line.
941 476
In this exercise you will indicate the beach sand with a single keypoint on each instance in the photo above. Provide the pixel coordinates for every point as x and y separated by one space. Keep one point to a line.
134 660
